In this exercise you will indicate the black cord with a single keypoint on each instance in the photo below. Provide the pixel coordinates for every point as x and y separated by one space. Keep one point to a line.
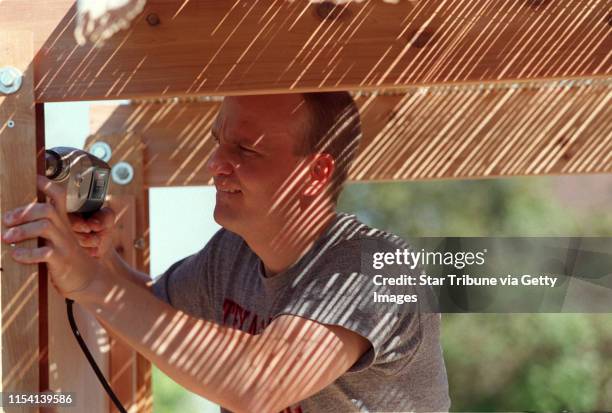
90 358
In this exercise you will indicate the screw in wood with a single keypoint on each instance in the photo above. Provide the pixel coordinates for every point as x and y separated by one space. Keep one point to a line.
153 19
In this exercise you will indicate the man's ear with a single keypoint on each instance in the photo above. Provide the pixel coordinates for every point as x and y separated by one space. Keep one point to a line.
320 173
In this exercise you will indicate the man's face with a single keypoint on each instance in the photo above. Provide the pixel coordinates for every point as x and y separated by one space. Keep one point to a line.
256 172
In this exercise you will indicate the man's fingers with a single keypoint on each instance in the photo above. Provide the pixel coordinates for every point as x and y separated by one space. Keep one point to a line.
88 240
31 212
78 223
32 255
102 219
53 190
93 252
41 228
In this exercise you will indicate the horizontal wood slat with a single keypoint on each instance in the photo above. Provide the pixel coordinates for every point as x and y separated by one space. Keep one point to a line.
436 132
231 47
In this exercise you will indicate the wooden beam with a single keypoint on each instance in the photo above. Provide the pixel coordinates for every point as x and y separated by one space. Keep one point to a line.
19 284
181 48
437 132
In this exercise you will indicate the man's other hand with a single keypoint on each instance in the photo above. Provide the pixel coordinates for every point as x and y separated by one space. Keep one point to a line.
95 233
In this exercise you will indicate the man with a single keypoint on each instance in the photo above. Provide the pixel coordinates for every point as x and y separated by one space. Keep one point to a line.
276 311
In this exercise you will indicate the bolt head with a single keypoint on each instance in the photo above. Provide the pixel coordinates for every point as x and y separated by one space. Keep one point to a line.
153 19
6 78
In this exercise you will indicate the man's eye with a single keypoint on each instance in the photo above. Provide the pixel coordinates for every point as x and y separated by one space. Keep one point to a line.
248 150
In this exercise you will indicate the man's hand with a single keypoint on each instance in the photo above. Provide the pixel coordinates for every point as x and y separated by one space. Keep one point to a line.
70 267
95 234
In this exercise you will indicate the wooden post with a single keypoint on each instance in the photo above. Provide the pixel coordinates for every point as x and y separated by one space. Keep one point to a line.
129 372
19 284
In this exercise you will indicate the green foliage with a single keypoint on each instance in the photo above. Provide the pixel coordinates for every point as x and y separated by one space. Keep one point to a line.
502 207
170 397
504 362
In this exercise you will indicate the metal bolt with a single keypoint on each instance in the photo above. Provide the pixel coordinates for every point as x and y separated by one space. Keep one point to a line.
101 150
139 244
6 79
10 124
10 80
153 19
122 173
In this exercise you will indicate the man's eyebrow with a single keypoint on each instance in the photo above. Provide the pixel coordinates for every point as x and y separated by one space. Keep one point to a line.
257 143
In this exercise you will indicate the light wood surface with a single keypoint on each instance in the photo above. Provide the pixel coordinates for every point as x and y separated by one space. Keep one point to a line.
130 373
69 370
19 284
224 47
469 131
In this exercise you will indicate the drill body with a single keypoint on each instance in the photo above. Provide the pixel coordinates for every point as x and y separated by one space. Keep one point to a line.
85 176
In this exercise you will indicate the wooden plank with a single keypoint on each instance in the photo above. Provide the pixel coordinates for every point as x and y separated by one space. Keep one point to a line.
180 48
130 373
69 370
19 300
437 132
122 363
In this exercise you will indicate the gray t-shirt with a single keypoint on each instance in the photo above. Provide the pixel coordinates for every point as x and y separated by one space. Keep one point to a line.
331 284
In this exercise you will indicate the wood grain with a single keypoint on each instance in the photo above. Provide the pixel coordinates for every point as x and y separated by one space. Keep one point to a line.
19 317
266 46
468 131
130 373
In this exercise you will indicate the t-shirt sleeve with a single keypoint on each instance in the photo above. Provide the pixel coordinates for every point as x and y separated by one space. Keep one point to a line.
338 288
188 284
160 285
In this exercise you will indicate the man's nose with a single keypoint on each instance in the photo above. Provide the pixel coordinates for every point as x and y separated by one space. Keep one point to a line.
220 162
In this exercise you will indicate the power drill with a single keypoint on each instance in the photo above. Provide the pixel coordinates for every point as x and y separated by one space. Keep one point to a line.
86 178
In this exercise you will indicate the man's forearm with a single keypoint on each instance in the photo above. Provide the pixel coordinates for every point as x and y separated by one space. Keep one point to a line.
118 266
201 356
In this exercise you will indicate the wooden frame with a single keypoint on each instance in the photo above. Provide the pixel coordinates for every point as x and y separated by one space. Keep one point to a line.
423 133
451 68
22 345
266 46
